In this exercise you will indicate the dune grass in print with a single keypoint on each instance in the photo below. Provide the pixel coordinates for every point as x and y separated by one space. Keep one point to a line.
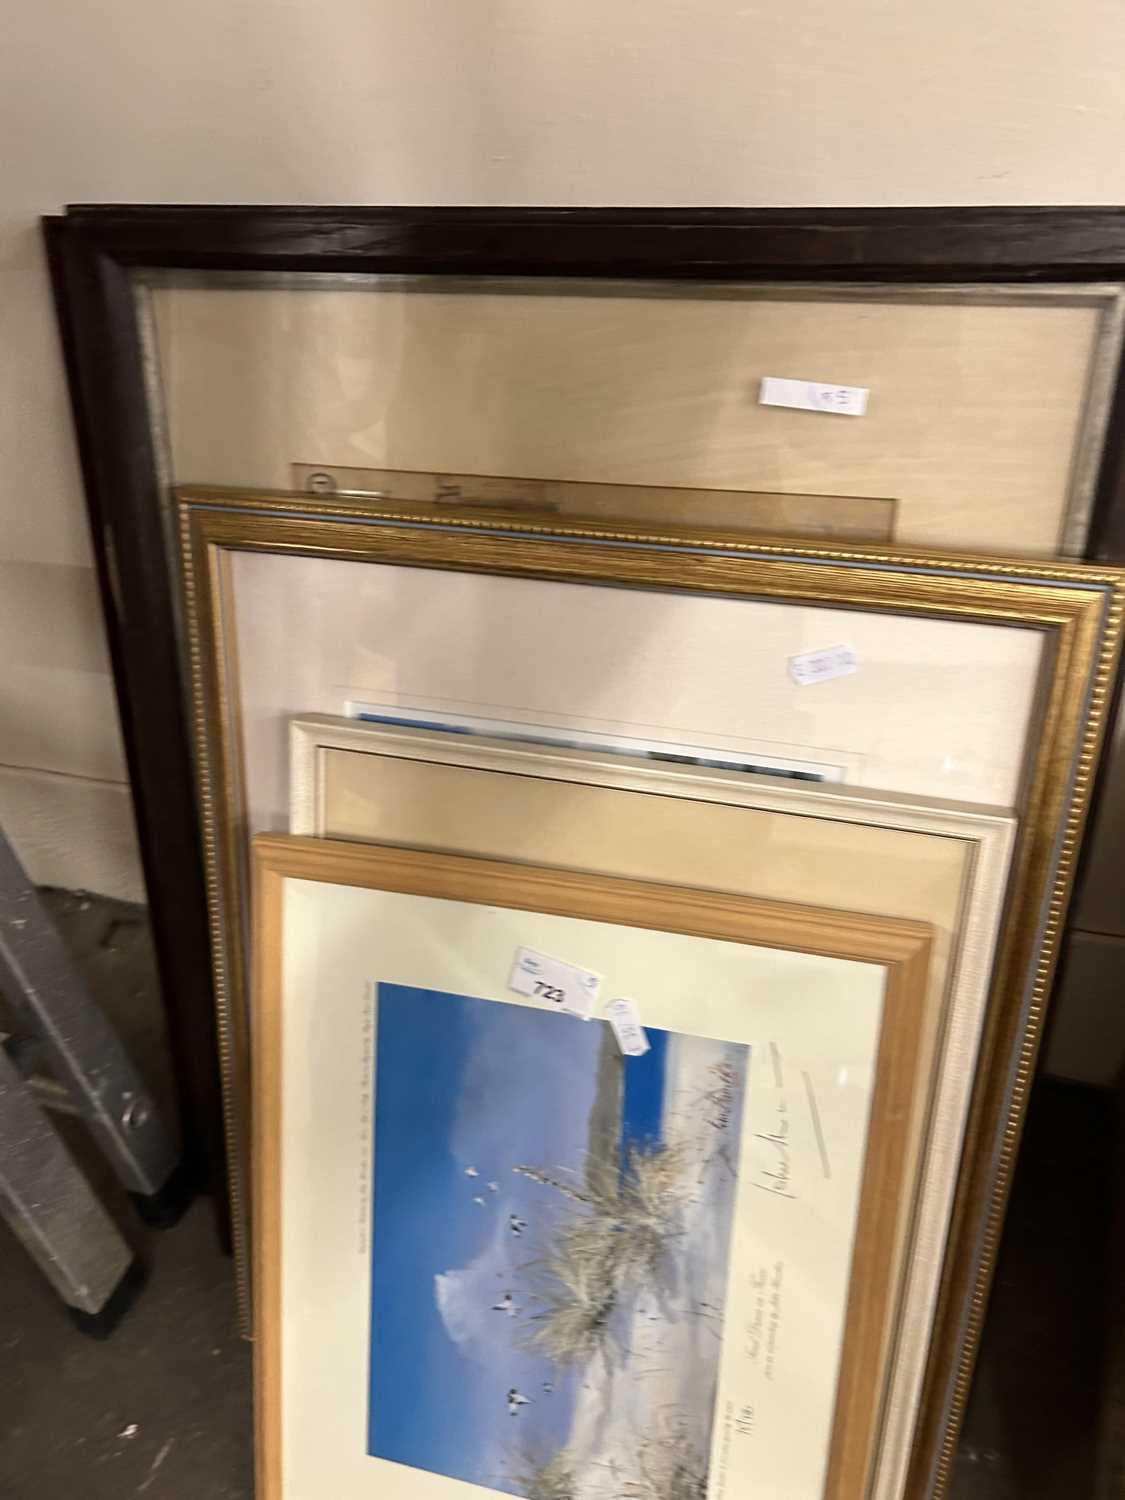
551 1227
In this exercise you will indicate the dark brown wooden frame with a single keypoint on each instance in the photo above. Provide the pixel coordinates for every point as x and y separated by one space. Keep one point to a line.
94 253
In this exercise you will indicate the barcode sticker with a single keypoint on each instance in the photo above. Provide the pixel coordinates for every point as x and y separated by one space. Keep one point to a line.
623 1016
560 985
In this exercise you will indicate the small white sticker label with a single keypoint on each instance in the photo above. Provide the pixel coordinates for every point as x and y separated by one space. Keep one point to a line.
559 985
811 395
622 1015
822 666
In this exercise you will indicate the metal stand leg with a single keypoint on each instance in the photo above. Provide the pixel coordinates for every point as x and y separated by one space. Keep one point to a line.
50 1002
49 1204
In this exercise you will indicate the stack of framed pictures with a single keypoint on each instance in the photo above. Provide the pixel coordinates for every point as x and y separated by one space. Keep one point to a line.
636 853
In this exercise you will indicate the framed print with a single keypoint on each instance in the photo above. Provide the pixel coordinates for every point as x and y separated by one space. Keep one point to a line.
551 1261
612 814
608 622
984 293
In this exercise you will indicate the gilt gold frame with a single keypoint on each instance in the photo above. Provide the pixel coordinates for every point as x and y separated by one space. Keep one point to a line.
1077 608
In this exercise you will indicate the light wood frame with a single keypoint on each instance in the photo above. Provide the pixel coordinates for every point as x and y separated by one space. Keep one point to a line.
901 947
986 834
1078 609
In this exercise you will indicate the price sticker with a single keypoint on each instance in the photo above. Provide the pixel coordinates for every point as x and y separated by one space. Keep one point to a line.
623 1016
559 985
814 395
822 666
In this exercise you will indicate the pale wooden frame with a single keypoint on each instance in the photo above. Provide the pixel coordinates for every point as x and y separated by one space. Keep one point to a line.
1078 609
902 947
990 834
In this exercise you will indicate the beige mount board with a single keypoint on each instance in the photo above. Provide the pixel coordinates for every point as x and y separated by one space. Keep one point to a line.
313 634
984 422
620 815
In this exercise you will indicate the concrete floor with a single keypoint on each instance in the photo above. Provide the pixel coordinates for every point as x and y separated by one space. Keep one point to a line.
163 1408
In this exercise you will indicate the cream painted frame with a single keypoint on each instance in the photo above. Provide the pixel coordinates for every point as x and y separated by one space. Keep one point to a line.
1076 609
963 982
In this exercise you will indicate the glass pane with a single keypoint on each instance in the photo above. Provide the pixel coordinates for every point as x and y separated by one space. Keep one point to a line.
984 413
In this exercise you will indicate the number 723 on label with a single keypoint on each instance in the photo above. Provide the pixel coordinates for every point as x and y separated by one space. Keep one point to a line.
559 985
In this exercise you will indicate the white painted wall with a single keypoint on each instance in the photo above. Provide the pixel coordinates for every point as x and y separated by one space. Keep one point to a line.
690 102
